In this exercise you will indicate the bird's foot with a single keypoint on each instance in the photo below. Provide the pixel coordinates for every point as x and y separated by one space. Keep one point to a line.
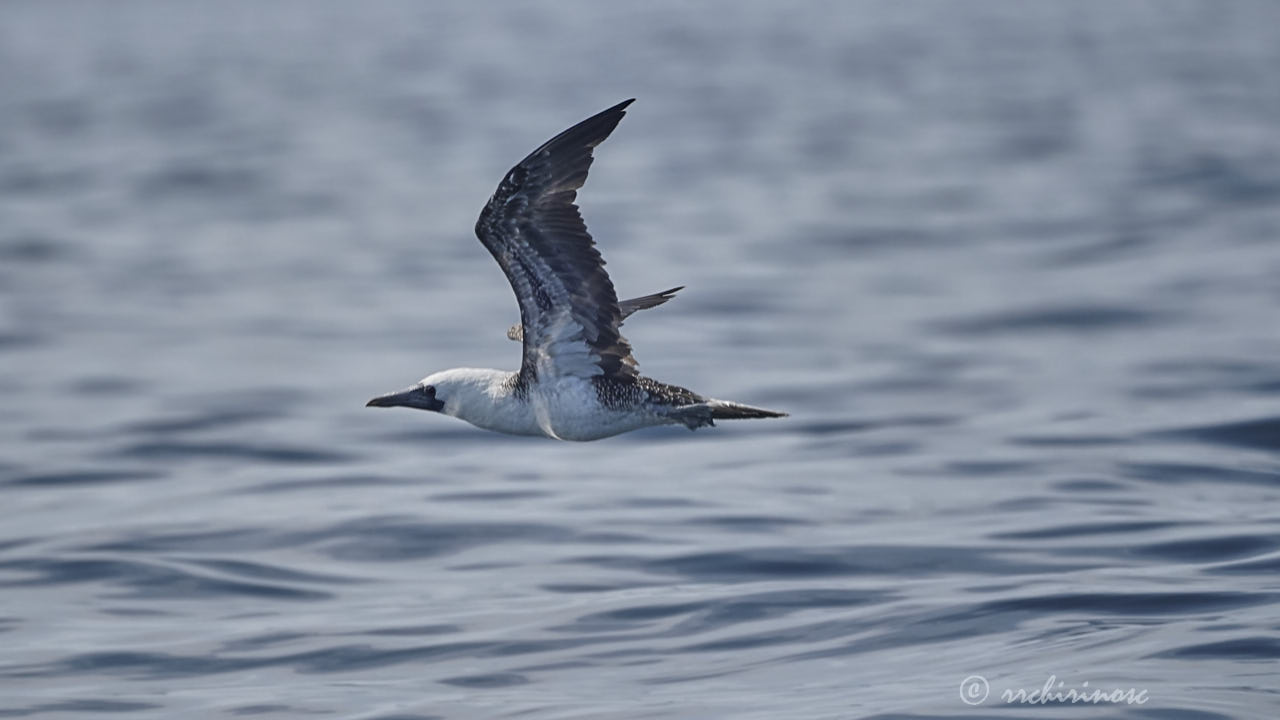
694 416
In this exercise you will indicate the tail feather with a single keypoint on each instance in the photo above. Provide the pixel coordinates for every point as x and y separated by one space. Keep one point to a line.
704 414
725 410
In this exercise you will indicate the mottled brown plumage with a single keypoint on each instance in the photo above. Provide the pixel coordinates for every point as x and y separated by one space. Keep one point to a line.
533 229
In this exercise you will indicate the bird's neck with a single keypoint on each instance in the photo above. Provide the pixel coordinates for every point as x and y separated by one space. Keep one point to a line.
490 399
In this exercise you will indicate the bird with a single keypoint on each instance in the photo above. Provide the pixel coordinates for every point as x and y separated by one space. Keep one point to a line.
578 379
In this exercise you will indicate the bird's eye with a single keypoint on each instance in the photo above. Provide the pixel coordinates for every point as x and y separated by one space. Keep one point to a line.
429 389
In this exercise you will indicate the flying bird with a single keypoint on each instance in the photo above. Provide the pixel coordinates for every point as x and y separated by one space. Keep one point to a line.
577 377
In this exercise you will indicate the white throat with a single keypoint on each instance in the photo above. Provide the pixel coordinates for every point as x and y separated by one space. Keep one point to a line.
485 398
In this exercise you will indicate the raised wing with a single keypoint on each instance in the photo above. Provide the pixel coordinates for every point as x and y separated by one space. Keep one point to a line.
625 307
644 302
532 227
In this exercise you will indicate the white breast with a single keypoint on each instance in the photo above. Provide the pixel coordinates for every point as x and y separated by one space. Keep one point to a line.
566 407
569 408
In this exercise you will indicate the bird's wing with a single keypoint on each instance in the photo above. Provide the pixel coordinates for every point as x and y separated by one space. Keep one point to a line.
625 307
532 227
628 307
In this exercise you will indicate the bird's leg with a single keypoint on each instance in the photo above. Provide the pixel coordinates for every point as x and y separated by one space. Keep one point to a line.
693 416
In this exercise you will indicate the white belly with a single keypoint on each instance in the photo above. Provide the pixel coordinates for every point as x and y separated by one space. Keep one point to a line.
566 409
570 409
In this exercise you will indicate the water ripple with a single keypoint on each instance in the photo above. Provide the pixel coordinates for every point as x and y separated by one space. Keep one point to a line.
150 580
1076 319
83 477
1253 648
793 563
173 450
1261 433
1171 472
1171 603
84 705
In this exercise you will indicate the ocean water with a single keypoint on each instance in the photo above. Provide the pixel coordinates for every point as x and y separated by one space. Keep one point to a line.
1013 268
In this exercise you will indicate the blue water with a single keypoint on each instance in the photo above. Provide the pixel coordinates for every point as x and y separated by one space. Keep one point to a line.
1013 268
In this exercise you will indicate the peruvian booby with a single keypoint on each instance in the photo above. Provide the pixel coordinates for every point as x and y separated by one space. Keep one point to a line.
577 378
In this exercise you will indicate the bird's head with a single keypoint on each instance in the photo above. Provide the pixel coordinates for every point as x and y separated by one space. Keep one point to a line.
450 392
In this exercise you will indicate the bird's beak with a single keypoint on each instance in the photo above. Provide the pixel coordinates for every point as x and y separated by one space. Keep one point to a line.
414 397
388 400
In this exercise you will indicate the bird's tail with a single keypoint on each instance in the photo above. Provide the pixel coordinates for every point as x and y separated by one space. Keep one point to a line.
704 414
725 410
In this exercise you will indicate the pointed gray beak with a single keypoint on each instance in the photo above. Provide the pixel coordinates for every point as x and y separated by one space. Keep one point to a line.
414 397
389 400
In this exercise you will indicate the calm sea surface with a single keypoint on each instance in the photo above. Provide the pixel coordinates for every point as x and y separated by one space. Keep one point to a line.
1014 268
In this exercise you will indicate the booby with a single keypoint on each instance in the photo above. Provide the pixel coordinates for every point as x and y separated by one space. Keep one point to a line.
577 377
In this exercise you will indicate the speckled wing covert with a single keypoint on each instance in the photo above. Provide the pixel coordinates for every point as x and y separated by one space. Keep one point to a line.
532 227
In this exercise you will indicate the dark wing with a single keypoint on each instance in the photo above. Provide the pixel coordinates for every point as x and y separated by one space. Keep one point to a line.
532 228
628 307
625 307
